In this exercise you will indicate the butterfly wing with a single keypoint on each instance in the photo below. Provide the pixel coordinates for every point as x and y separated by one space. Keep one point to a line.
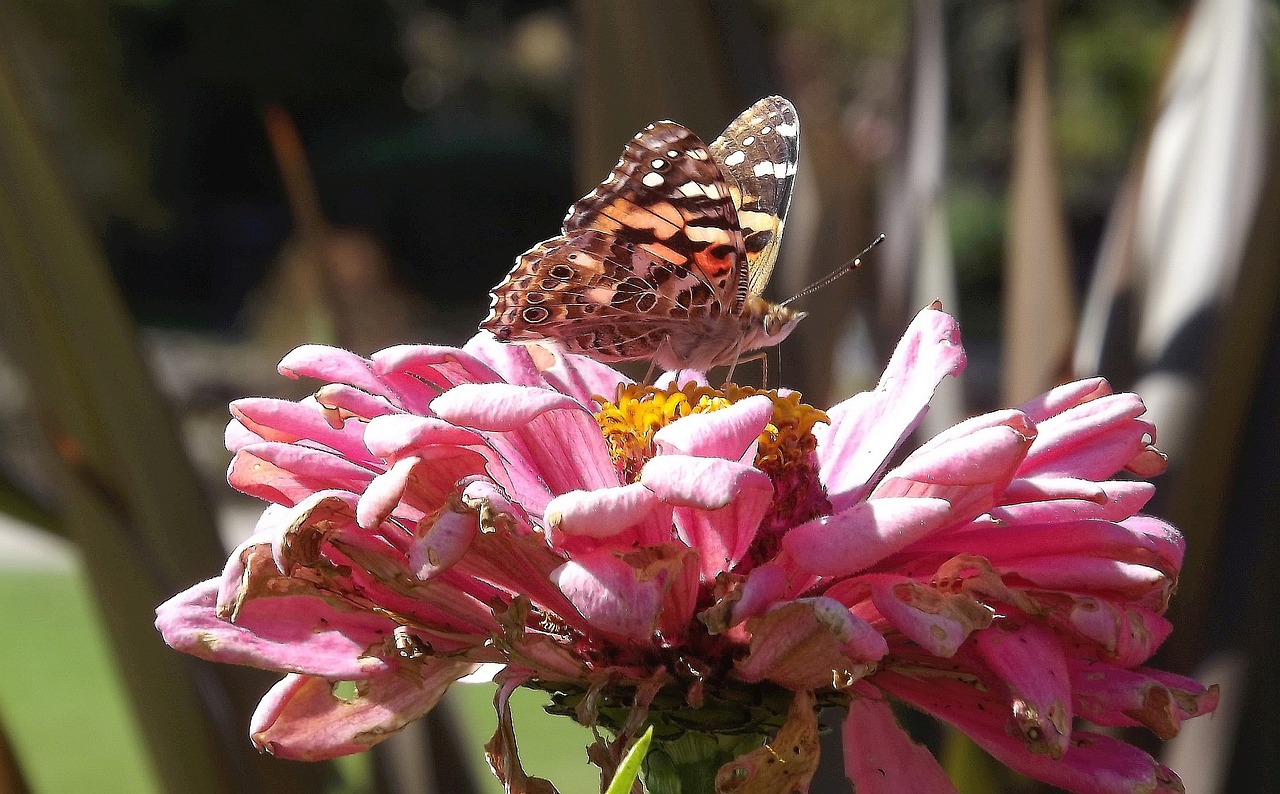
758 153
598 294
667 195
656 244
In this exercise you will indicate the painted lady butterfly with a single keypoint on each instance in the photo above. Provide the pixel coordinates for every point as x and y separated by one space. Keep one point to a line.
667 258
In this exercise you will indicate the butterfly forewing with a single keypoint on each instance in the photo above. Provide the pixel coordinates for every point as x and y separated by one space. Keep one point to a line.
668 196
758 153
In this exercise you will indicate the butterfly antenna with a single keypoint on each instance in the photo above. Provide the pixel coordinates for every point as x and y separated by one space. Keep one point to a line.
847 267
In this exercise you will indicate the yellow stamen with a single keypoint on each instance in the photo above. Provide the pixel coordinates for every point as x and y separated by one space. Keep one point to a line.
630 421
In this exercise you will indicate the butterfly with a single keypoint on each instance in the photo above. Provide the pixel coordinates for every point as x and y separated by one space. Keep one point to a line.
667 258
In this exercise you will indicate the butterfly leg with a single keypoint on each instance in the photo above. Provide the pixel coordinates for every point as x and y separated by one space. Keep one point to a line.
760 356
648 376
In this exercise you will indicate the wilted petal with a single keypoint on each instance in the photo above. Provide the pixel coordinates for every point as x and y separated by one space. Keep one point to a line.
438 546
1115 697
935 621
1031 663
880 757
786 763
810 643
303 719
1091 763
305 634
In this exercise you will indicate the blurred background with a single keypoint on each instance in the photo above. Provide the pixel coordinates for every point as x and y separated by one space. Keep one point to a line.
191 188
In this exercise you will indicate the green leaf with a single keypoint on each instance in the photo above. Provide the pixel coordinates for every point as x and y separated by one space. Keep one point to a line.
629 769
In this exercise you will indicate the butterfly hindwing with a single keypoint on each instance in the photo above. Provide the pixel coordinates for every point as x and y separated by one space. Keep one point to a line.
758 153
596 293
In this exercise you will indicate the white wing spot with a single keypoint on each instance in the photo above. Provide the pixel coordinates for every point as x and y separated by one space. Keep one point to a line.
747 141
766 129
698 154
659 163
672 153
690 189
652 179
712 192
788 130
737 158
776 170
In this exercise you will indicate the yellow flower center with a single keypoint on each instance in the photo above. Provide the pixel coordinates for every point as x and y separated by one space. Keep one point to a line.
784 452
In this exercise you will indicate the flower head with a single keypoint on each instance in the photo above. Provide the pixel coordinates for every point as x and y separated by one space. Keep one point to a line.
714 561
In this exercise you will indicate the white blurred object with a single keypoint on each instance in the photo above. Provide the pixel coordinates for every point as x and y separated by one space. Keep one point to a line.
1201 752
1177 242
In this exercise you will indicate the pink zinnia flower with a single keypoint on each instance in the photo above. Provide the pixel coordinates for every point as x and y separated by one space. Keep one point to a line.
714 562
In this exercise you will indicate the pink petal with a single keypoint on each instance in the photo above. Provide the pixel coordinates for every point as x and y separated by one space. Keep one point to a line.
1093 440
706 483
302 719
439 366
969 472
727 433
344 399
850 541
680 378
513 363
305 634
287 473
764 586
498 406
420 484
1029 660
332 364
581 377
1068 395
1090 575
867 428
287 421
810 643
880 757
601 513
607 592
1005 545
1112 500
399 435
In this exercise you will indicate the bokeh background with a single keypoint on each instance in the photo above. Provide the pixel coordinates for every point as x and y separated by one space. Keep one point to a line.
191 188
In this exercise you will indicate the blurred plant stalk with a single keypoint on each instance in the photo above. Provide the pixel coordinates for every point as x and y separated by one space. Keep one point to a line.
129 498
